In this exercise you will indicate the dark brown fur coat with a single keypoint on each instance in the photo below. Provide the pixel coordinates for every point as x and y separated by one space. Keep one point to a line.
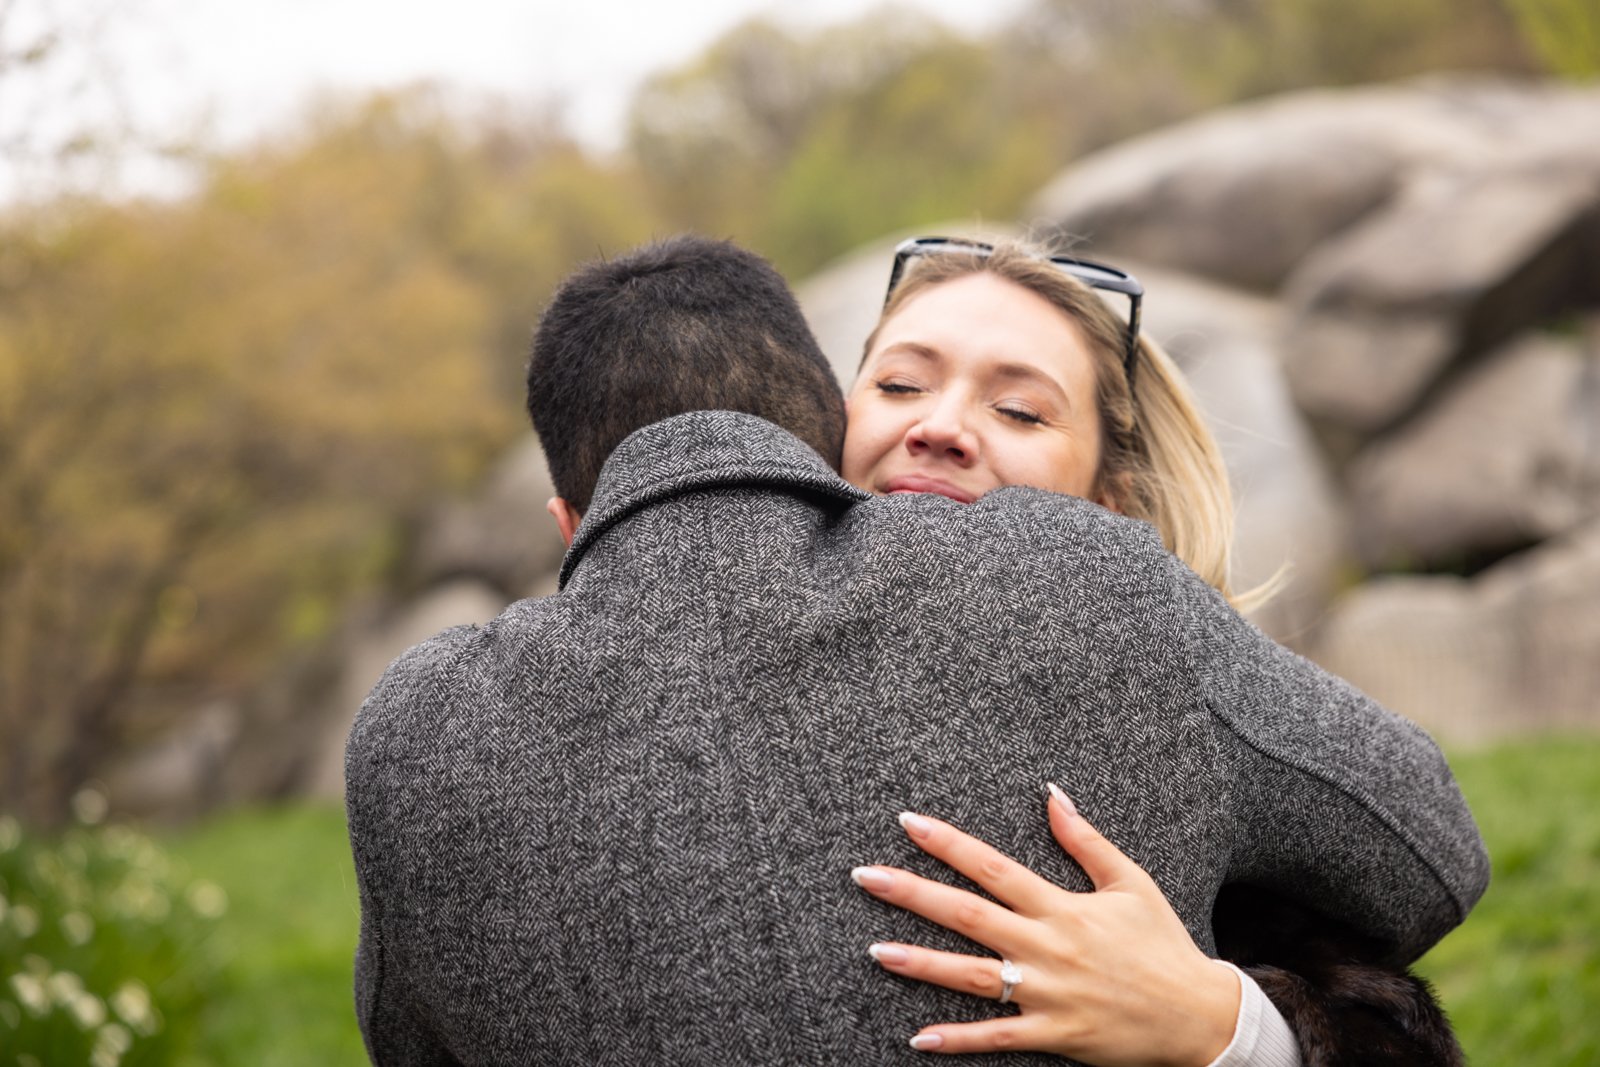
1345 1001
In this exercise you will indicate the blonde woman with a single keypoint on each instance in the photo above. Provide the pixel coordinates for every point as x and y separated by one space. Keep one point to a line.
1002 366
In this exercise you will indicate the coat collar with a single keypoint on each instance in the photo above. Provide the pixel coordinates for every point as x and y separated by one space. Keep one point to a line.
697 451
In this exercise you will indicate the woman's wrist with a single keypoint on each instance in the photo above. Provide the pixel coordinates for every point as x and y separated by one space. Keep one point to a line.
1215 999
1262 1037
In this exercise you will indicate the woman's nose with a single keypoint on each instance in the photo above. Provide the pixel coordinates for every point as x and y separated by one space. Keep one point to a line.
943 432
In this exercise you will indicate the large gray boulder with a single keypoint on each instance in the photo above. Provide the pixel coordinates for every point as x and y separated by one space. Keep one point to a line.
1509 456
1512 651
1409 226
1242 195
1290 520
1451 267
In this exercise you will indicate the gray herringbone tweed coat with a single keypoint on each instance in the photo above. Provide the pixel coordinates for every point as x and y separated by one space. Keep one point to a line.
615 825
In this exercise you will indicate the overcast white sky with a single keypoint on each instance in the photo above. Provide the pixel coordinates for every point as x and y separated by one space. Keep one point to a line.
252 61
231 68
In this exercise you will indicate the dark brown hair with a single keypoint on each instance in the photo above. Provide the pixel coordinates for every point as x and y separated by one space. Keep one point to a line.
685 324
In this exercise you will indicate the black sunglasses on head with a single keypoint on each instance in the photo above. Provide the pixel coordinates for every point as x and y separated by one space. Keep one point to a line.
1094 275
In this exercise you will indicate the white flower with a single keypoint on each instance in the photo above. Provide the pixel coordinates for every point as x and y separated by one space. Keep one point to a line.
89 805
132 1004
25 921
63 987
31 993
114 1037
88 1009
208 900
77 927
138 898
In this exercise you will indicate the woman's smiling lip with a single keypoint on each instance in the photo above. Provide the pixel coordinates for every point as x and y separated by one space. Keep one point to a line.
921 483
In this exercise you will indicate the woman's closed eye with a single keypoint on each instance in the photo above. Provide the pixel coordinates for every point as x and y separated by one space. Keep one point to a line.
894 388
1018 413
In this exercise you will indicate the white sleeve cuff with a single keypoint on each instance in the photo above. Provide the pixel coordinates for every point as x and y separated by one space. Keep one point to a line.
1261 1038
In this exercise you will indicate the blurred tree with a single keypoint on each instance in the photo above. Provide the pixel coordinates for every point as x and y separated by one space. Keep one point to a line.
212 411
1167 59
63 115
919 144
749 140
1564 34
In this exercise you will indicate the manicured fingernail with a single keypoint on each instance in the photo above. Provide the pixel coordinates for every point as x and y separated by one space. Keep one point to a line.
915 824
1067 806
892 954
927 1042
872 879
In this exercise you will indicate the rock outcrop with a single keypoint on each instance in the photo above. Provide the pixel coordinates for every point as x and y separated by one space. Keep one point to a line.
1511 651
1426 250
1508 457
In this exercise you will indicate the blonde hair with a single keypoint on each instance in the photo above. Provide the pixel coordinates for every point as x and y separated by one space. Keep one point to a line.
1158 460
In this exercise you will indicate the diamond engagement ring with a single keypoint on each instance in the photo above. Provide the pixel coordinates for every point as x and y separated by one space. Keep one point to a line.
1010 978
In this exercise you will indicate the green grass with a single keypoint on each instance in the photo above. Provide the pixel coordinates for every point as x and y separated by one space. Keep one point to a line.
1521 979
287 944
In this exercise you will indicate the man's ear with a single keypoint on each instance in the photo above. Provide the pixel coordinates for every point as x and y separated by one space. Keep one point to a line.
566 516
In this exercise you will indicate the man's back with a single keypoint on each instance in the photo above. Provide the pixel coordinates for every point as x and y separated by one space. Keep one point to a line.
615 824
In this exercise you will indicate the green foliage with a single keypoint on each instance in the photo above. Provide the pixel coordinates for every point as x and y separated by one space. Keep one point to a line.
106 946
1522 976
901 152
804 145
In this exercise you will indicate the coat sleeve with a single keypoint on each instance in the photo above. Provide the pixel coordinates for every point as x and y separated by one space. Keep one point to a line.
394 1022
1338 805
1344 1004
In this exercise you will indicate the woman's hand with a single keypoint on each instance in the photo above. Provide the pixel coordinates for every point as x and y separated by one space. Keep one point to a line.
1109 977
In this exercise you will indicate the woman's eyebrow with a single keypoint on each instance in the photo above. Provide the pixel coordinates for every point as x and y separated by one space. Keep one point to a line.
911 348
1028 374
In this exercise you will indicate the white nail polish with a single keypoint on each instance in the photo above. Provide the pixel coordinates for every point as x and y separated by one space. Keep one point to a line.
927 1042
915 824
1061 798
872 879
890 954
